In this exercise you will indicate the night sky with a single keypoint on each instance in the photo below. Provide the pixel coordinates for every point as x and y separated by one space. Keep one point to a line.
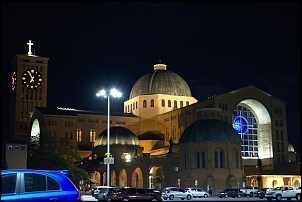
215 47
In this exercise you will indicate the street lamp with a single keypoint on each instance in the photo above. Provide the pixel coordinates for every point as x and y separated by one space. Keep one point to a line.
114 93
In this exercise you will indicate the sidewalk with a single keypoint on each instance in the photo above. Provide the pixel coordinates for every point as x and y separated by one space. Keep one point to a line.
88 197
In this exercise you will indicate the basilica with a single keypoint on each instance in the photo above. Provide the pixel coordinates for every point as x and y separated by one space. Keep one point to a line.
166 137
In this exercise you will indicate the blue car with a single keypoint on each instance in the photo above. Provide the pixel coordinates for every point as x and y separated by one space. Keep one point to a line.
38 185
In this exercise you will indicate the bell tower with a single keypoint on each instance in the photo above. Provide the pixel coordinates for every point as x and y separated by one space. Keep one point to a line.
28 90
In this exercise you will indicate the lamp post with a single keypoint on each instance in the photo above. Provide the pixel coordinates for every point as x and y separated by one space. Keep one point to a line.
114 93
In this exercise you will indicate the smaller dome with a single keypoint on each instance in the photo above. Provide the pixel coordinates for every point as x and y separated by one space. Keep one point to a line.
209 130
118 136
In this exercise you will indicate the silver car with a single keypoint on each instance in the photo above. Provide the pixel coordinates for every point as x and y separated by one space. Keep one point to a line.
172 192
197 192
102 194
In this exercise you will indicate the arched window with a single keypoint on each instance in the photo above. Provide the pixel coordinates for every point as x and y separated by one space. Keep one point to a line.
163 103
187 103
198 160
169 103
218 159
245 122
203 157
144 104
181 104
92 135
221 158
215 159
175 104
152 103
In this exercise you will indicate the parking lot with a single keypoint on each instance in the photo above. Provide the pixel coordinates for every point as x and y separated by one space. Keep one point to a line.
216 198
87 197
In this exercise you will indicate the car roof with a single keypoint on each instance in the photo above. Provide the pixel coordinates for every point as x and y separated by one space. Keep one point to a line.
63 172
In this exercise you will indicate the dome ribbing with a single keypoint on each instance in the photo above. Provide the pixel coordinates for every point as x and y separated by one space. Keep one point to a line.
118 136
161 81
209 130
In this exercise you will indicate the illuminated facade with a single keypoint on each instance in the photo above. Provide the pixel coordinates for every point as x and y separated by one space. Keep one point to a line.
159 110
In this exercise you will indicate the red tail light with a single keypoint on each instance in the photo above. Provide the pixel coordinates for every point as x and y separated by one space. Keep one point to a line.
80 196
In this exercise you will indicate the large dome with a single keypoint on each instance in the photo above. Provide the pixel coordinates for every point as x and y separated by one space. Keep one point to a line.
161 81
209 130
118 136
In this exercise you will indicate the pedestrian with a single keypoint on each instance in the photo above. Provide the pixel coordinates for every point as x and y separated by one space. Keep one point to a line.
210 191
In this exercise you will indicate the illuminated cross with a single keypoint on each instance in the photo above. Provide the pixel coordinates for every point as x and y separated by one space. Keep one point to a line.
29 48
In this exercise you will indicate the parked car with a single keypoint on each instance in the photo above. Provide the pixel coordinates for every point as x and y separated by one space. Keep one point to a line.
96 190
131 194
197 192
153 191
230 193
286 191
261 192
249 191
38 185
172 192
103 191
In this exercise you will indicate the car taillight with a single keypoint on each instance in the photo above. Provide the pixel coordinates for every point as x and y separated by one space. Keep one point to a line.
80 196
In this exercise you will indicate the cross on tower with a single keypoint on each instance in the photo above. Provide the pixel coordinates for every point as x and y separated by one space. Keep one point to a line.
29 47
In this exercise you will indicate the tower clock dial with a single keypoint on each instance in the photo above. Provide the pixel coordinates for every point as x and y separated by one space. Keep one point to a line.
32 79
14 80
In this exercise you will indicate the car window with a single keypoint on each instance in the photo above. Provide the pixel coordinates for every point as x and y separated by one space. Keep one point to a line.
10 183
37 182
182 190
103 190
141 191
34 182
52 184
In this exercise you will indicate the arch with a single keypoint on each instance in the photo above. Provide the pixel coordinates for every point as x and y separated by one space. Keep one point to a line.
113 178
137 178
152 103
274 183
96 175
163 103
123 178
297 183
259 128
254 182
35 129
156 177
144 103
104 181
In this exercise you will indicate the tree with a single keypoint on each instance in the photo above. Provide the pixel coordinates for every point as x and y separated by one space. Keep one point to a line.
50 153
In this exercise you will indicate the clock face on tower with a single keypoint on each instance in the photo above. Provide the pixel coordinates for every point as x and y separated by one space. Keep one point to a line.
14 80
32 78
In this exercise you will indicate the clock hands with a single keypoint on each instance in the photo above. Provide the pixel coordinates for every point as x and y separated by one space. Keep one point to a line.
32 78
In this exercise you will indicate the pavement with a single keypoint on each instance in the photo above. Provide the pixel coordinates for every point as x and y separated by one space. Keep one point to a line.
88 197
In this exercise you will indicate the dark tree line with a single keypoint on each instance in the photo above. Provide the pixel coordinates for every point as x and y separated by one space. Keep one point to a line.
50 153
